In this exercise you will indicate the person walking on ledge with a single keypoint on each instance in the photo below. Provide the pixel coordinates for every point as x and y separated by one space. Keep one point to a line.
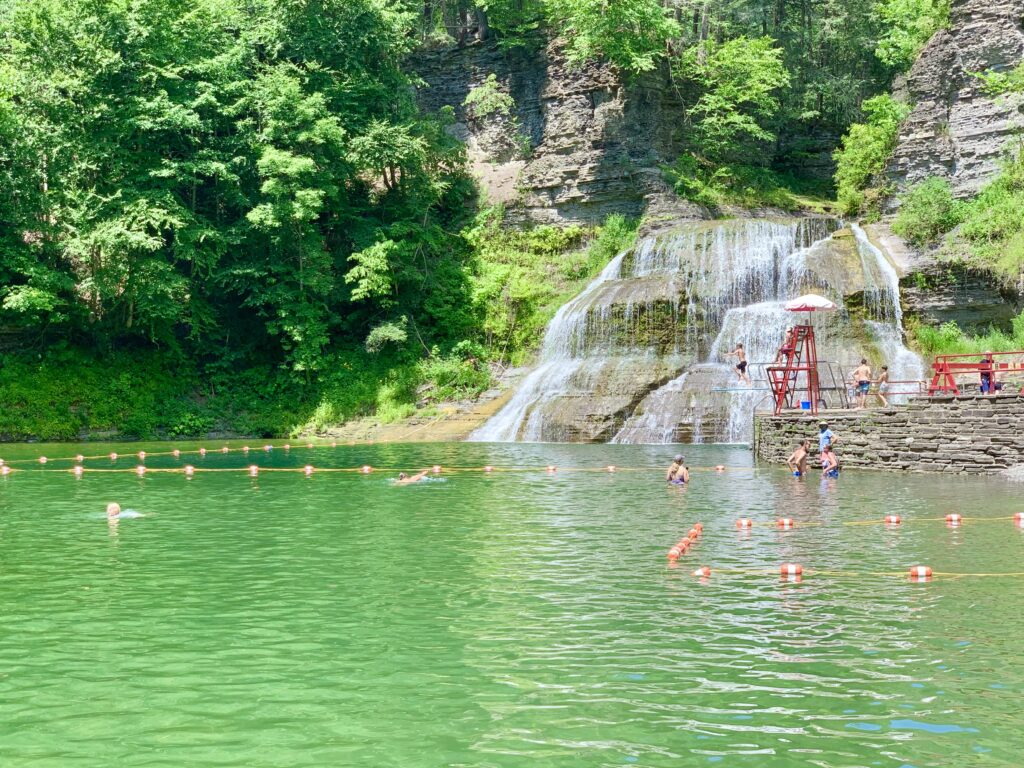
883 385
741 364
862 381
797 461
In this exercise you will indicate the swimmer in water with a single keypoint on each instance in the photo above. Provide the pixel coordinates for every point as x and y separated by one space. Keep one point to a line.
797 460
404 479
831 463
677 473
113 510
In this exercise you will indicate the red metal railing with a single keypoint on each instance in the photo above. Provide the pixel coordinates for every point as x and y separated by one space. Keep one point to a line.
990 368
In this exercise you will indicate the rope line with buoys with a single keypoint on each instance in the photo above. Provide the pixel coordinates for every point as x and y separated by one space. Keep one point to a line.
794 570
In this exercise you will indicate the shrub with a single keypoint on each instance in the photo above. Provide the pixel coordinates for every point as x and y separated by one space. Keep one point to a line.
927 212
488 99
865 148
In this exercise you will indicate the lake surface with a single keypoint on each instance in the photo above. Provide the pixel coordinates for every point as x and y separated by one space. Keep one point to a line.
503 619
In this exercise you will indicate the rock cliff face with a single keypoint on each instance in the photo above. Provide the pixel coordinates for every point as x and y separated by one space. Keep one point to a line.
955 130
591 145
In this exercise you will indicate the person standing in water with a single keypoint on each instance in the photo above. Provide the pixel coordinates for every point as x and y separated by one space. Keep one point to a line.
883 385
677 472
741 363
797 461
826 439
830 463
862 382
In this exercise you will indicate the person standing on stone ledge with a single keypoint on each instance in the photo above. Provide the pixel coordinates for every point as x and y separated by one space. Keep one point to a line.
826 439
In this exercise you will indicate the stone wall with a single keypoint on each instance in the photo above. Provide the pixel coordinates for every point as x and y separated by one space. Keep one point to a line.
955 130
591 144
974 434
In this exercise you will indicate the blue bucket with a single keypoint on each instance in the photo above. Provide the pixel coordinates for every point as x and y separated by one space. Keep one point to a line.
805 405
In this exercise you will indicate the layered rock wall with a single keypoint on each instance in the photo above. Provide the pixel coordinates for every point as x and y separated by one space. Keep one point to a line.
955 131
592 145
968 434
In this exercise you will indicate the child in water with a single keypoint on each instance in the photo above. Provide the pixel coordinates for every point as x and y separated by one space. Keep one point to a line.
830 463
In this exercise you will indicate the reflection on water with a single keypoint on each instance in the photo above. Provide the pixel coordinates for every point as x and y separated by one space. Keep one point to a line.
503 619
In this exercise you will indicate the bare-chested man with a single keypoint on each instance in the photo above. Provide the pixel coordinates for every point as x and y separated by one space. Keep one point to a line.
862 382
404 479
797 461
741 363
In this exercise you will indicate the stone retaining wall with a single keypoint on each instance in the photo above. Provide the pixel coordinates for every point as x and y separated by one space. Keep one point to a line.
938 434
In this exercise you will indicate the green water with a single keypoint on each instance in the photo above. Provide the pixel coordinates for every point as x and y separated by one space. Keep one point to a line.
501 620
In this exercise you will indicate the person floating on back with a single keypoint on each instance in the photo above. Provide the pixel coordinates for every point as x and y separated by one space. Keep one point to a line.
883 385
826 439
741 363
404 479
677 473
797 461
830 463
862 382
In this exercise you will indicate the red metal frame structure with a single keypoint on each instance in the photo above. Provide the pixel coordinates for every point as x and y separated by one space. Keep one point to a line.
947 367
799 358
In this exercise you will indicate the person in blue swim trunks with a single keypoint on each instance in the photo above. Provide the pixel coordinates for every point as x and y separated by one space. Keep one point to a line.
830 464
677 473
862 382
797 461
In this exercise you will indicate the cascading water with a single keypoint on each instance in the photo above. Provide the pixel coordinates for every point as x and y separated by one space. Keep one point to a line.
639 355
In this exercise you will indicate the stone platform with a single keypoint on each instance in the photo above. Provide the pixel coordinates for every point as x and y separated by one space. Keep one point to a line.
970 434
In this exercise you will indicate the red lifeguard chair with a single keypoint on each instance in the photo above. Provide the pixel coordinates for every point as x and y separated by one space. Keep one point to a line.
798 370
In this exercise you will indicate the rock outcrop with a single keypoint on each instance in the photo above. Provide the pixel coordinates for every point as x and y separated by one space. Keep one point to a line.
955 130
592 144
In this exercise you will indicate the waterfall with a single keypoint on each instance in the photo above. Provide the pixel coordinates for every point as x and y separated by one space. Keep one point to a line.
644 320
882 304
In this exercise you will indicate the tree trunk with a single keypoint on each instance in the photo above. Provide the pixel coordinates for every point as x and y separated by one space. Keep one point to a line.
483 27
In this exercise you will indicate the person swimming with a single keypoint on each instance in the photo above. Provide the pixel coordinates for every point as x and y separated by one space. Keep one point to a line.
114 512
677 473
404 479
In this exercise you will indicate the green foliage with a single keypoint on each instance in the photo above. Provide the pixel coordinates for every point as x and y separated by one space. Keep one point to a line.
865 148
745 186
1002 83
927 211
993 224
488 99
908 25
949 339
739 81
632 34
522 277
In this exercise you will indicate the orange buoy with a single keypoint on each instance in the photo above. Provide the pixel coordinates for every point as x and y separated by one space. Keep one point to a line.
245 449
610 467
552 469
309 445
719 468
892 520
42 459
79 458
785 523
675 552
142 455
78 470
1019 518
791 569
140 470
704 571
287 447
693 534
954 519
253 470
334 444
189 470
113 457
699 527
307 470
176 453
202 451
744 523
366 469
5 470
488 468
920 572
224 449
436 469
